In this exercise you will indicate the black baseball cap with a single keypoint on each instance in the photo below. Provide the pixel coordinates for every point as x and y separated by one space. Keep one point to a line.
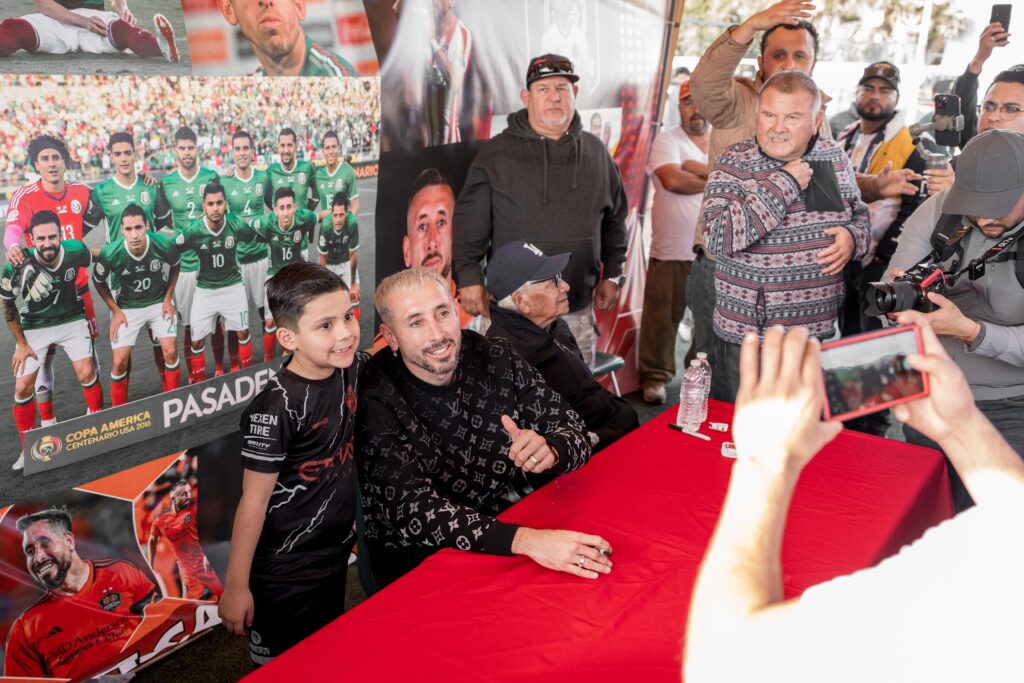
550 65
989 176
516 263
884 70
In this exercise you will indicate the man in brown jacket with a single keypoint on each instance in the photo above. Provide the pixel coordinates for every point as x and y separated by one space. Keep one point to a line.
730 105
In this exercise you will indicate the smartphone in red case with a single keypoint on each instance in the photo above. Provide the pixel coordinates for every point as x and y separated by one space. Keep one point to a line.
868 372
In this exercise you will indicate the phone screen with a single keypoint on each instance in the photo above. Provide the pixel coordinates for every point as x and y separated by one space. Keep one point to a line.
869 372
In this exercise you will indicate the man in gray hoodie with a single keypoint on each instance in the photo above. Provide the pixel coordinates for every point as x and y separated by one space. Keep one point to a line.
545 181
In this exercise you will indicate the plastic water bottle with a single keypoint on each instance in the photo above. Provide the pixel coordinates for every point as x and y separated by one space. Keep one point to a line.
706 367
691 397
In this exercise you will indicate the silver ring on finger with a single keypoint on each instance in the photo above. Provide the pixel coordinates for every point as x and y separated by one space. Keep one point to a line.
581 561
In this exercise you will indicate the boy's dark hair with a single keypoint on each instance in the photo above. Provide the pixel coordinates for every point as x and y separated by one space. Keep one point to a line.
43 217
42 142
1015 74
804 25
296 285
341 199
120 137
427 178
213 188
288 131
58 518
133 210
186 133
330 134
283 192
242 134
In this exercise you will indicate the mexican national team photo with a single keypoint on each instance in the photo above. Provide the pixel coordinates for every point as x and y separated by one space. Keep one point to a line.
142 218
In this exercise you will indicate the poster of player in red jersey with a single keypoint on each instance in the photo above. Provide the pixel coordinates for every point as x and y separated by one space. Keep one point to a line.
167 524
111 575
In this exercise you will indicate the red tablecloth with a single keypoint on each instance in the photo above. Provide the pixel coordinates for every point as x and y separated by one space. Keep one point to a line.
655 496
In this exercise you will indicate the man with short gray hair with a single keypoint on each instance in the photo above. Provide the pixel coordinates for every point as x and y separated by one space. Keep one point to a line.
783 216
447 420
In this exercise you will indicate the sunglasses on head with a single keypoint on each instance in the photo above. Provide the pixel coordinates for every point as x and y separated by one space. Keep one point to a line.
547 66
882 71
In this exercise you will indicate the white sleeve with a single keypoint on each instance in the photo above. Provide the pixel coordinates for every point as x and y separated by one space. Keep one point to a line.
663 151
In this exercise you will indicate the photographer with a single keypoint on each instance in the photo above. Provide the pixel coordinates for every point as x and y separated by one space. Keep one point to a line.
980 320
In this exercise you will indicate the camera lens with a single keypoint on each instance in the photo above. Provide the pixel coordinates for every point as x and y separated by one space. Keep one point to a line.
882 298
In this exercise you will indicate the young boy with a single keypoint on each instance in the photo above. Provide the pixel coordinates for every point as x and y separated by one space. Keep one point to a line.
293 528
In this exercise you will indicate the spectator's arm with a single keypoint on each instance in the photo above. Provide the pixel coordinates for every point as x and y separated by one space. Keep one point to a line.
674 179
390 460
543 410
471 233
712 84
738 596
966 88
740 211
613 225
908 205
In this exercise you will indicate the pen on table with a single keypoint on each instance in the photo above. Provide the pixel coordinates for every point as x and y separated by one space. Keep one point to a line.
679 428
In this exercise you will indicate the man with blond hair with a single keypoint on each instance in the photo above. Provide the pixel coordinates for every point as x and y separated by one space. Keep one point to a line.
447 421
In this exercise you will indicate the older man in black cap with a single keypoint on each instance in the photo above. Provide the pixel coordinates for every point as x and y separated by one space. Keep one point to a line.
528 298
547 181
972 232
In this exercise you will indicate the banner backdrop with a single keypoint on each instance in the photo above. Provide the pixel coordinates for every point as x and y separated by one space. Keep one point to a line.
437 112
136 576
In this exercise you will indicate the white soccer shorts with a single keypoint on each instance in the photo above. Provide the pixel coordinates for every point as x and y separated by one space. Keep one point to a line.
227 302
253 277
184 292
73 337
344 270
152 317
58 38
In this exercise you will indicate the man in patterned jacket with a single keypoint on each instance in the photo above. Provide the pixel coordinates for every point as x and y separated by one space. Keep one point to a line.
783 215
447 422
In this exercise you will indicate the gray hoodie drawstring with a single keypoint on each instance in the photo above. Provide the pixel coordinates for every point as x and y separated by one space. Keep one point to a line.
576 170
544 145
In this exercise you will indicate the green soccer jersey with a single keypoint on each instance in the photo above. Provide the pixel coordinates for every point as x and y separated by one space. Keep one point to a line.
82 4
61 304
184 200
142 279
336 244
247 200
330 184
320 61
301 178
218 259
111 198
286 246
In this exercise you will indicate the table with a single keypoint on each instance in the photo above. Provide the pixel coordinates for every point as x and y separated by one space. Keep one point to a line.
655 496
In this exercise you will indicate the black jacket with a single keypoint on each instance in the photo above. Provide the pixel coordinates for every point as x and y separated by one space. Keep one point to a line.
562 195
556 356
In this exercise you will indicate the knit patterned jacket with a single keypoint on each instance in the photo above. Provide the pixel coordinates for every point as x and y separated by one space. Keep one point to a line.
757 225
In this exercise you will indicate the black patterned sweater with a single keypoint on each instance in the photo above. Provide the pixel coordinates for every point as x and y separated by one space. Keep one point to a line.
433 461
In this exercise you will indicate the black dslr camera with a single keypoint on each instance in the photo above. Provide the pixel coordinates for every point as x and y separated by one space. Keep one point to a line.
908 291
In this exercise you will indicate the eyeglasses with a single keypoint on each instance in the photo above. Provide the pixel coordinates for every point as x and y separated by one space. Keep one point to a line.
557 279
1009 111
546 66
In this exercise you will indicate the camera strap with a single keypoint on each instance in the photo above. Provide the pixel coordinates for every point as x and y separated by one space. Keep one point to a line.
976 268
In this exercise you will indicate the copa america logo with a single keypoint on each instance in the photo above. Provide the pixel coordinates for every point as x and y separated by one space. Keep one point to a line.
46 448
